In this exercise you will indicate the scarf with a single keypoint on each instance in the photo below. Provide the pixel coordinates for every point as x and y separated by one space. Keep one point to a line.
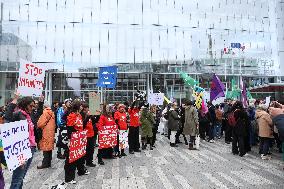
31 128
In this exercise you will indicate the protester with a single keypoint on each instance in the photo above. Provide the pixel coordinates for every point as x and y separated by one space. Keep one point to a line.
133 135
173 124
74 123
191 124
212 122
228 109
154 111
36 113
89 126
62 113
122 137
277 112
147 120
164 121
106 119
239 129
46 123
265 133
180 130
203 123
218 124
25 107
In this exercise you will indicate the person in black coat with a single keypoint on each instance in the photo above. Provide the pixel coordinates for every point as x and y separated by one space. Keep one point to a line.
240 130
212 121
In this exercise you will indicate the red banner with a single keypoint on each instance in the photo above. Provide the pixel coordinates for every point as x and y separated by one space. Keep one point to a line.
78 143
108 137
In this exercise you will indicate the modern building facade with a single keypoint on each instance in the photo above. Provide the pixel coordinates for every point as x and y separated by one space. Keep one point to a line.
149 40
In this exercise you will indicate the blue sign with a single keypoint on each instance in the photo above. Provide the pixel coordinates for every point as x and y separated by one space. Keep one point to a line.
236 45
107 77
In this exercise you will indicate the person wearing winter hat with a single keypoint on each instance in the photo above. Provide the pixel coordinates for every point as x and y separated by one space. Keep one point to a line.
147 120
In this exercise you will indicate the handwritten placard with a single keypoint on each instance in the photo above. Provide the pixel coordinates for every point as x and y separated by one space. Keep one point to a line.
94 102
78 144
16 144
156 98
108 136
31 79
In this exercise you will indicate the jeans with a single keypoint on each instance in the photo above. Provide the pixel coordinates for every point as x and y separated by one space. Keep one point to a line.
217 130
264 145
20 173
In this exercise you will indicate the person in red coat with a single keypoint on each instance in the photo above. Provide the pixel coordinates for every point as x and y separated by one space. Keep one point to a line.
133 136
74 123
107 131
89 123
122 139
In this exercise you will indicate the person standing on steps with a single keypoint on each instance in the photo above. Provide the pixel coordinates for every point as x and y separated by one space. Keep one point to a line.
191 123
147 120
173 124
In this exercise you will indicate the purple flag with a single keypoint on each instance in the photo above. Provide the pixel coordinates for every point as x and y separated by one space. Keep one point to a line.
244 94
217 88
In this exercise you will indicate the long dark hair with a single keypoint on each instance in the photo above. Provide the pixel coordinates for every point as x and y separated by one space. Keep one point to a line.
106 112
24 102
75 107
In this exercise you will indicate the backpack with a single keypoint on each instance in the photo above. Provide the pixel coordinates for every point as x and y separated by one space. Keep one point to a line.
231 119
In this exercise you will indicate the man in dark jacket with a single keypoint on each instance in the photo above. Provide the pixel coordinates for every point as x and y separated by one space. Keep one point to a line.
173 124
36 113
212 121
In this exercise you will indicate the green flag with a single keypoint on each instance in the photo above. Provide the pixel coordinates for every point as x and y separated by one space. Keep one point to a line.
188 80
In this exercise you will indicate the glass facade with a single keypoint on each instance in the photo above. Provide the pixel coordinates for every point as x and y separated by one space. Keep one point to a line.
155 37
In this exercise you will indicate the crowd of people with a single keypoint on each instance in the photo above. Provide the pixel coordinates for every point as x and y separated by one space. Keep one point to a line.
240 126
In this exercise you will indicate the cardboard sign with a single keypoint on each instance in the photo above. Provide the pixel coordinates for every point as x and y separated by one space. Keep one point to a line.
156 98
94 102
16 144
123 139
78 144
31 79
108 137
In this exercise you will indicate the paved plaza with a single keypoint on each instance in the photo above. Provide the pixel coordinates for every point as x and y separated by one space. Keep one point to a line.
213 166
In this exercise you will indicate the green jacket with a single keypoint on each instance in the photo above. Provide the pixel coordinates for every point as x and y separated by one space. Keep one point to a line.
147 120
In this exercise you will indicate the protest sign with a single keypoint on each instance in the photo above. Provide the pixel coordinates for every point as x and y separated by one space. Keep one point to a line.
31 79
94 102
108 136
156 98
123 139
78 143
16 144
107 77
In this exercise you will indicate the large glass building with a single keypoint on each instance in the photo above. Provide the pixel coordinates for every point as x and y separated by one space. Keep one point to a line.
149 40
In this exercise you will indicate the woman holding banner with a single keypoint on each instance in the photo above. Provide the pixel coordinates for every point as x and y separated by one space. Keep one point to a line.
25 108
107 130
74 123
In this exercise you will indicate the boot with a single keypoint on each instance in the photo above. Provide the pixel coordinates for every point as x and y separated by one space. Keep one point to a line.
143 143
190 146
100 161
151 143
185 140
122 153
